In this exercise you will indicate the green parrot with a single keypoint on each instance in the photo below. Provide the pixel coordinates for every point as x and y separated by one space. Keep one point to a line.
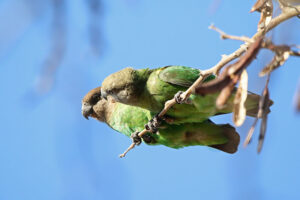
151 88
128 119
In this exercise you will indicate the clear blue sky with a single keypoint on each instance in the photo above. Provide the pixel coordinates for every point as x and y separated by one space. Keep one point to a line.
49 151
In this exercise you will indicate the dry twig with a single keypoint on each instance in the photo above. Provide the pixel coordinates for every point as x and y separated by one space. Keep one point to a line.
266 13
239 109
262 113
298 100
297 97
282 53
230 73
225 36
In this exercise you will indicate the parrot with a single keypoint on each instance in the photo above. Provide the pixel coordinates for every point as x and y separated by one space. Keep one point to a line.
128 119
151 88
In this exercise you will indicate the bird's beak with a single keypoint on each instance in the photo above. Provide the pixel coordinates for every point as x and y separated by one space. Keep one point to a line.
103 94
86 110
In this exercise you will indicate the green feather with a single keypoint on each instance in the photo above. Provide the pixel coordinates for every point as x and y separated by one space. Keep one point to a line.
128 119
181 75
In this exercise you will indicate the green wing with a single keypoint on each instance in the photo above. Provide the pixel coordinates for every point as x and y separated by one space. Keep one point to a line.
181 75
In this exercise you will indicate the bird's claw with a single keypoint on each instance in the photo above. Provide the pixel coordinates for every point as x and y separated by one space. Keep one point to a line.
148 139
153 124
136 139
181 100
178 97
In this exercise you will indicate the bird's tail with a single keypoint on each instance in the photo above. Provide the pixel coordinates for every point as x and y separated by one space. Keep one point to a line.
252 104
233 139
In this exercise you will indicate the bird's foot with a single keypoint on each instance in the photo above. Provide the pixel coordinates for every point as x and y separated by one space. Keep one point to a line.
180 100
148 139
153 124
136 139
178 97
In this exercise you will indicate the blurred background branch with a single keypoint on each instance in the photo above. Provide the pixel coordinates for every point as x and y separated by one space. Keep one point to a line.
30 12
55 57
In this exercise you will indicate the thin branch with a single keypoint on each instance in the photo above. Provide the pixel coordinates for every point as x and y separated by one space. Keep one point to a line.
250 133
225 36
239 108
294 53
133 144
263 125
297 98
273 23
282 53
262 113
232 70
268 44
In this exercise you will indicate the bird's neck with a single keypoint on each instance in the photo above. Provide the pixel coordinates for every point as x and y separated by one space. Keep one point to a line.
144 74
112 105
139 87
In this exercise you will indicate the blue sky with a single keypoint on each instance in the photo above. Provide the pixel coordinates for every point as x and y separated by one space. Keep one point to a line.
49 151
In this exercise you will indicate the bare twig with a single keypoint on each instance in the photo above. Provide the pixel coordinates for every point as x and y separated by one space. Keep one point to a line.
284 4
258 5
297 97
232 70
294 53
239 109
298 100
262 113
127 150
278 60
263 125
250 133
282 53
133 144
267 44
225 36
266 11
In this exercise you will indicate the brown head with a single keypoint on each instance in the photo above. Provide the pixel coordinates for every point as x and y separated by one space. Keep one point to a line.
93 105
126 85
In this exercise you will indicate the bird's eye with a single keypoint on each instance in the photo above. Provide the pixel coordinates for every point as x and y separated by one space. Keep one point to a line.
98 96
95 98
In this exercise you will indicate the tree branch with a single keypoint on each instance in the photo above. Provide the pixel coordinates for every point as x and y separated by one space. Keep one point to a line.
225 36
